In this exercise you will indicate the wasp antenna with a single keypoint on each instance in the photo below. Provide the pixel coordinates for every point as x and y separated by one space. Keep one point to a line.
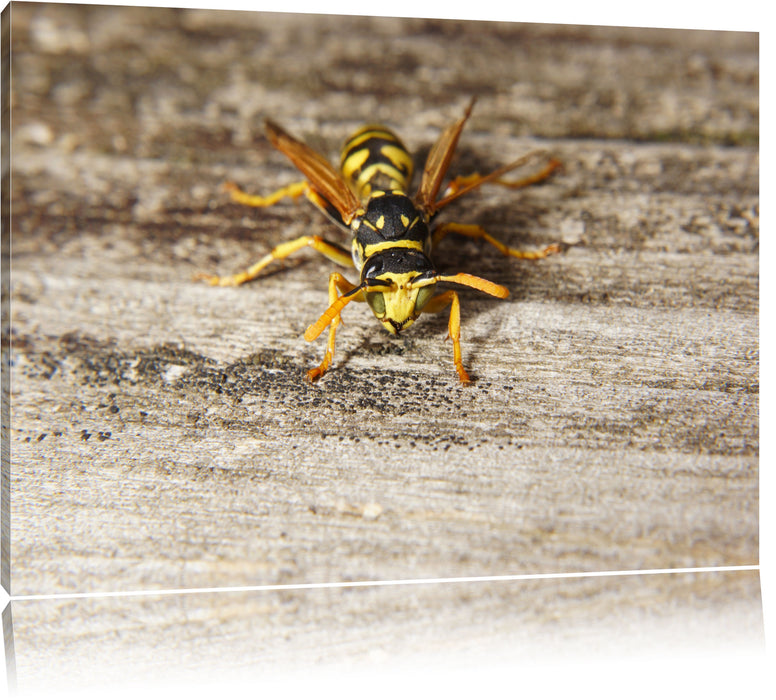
483 285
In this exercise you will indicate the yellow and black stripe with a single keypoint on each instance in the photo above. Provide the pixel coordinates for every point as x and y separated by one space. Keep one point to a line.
375 160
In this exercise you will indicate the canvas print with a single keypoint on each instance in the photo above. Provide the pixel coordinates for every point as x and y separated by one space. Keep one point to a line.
378 336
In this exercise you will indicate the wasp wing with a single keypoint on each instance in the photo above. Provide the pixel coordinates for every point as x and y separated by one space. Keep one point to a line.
320 174
438 162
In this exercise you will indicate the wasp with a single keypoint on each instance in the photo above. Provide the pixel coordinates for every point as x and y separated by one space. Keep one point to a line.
391 232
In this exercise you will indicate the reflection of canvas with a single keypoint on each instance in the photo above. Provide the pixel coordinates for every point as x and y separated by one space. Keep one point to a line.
163 435
258 636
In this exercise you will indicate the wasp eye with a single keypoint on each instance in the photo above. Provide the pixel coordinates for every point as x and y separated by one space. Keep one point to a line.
424 296
376 300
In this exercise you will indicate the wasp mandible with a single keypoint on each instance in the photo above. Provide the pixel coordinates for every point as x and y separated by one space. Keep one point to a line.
391 234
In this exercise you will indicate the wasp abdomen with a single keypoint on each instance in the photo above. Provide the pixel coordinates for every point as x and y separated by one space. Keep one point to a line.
374 159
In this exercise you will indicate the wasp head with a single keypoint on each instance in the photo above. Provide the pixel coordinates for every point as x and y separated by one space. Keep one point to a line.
398 283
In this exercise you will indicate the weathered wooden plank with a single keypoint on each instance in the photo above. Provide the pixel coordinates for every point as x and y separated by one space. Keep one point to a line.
163 433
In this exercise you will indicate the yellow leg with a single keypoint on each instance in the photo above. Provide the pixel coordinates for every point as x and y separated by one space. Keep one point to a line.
336 282
475 178
474 231
330 250
437 304
294 191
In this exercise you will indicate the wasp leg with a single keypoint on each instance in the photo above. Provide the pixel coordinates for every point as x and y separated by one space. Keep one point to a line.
336 282
439 303
331 250
475 179
294 190
474 231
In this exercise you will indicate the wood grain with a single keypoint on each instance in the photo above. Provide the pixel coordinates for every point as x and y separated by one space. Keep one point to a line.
163 435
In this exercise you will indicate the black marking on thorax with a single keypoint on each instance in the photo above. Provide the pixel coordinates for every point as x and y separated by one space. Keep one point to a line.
392 217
